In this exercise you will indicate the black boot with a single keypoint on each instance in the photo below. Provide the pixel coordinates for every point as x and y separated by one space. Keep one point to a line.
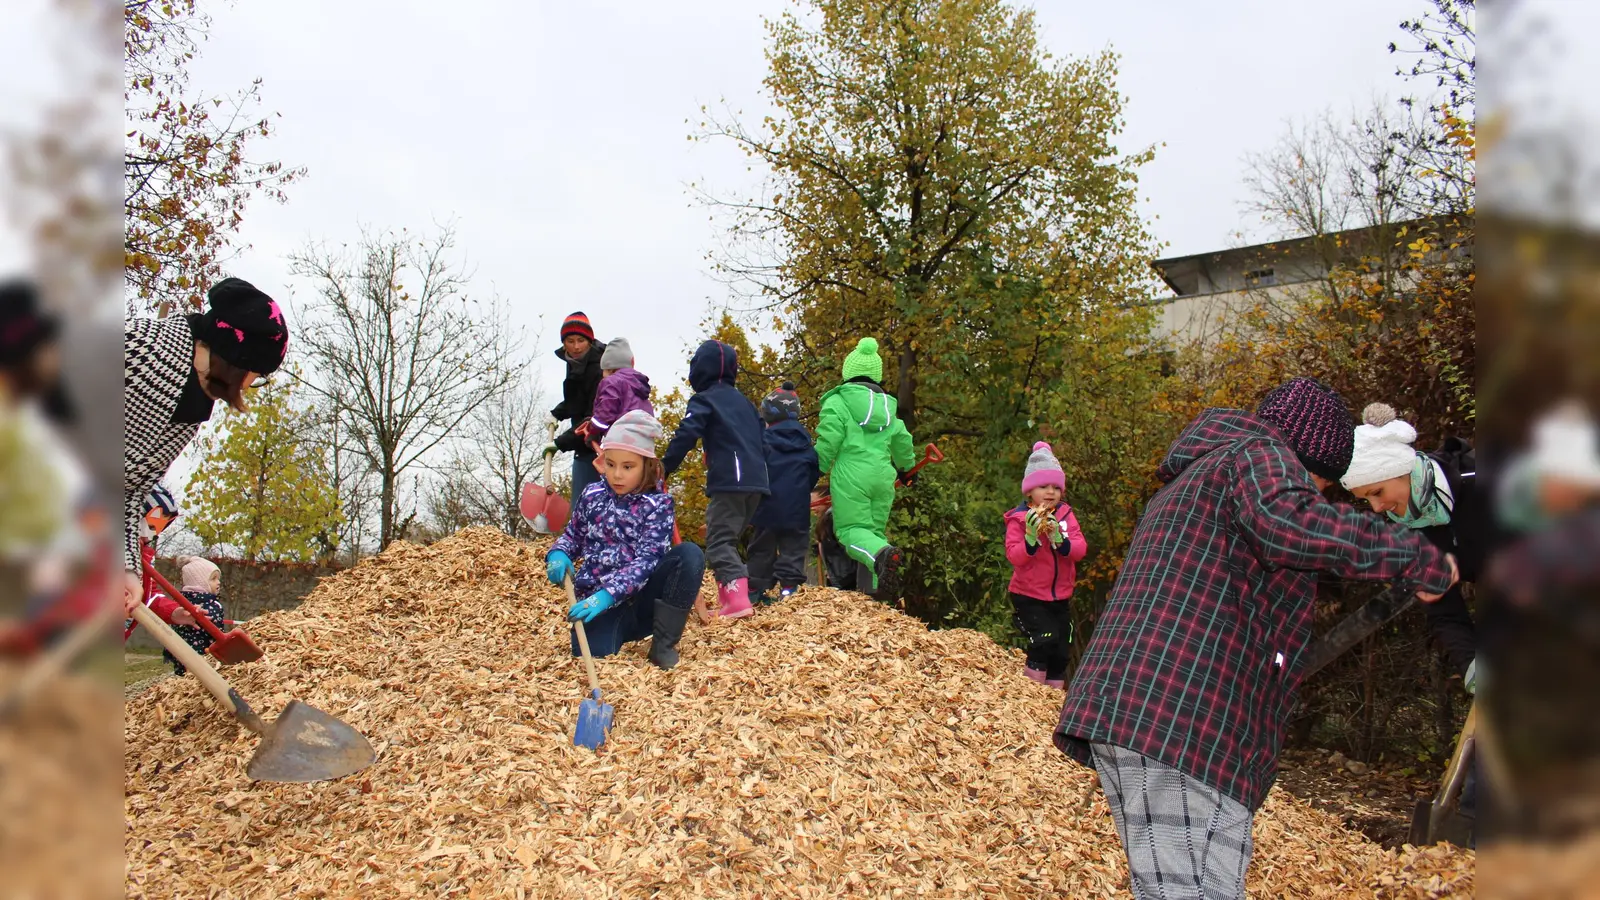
669 622
886 566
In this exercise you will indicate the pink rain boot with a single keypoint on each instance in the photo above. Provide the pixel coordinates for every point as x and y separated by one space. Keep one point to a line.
1034 674
735 598
1059 684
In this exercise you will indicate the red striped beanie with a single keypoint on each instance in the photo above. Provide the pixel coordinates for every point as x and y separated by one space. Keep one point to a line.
578 324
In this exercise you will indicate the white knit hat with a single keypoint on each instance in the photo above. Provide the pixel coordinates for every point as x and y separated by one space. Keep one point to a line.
1567 446
1382 448
635 431
197 572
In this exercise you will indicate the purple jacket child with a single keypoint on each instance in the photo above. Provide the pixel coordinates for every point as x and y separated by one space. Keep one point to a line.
624 390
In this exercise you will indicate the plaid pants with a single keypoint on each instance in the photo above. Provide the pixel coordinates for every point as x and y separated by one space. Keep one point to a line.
1184 839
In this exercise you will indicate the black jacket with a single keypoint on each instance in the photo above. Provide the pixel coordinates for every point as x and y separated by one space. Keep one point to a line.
724 421
577 395
1470 536
792 474
1469 533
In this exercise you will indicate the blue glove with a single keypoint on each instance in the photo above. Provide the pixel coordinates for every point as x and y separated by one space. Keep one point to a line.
587 610
557 566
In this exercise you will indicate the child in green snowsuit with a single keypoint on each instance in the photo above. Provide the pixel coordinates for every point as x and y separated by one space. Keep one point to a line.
862 445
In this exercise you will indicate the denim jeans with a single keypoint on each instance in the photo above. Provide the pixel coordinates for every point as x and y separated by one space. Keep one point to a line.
583 473
676 581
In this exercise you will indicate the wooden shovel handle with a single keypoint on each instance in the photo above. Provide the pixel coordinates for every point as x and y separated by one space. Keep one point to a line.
550 460
197 664
583 639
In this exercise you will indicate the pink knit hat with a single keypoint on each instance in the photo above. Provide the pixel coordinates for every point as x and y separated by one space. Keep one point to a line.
1042 469
636 431
197 573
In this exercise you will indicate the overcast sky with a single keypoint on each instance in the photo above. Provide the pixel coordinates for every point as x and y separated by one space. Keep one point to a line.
554 135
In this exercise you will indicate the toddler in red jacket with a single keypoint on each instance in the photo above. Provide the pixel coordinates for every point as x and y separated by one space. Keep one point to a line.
1043 545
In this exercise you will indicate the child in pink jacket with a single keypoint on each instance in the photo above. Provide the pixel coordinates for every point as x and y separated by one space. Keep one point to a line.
1044 544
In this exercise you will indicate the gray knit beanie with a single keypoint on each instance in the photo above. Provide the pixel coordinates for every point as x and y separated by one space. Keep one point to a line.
636 431
618 355
1042 469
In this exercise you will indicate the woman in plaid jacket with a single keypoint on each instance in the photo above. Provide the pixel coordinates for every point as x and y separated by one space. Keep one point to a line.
1182 695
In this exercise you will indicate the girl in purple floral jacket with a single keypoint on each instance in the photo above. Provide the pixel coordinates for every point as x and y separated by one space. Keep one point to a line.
618 549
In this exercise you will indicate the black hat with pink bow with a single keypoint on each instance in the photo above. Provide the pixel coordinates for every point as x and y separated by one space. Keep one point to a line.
244 326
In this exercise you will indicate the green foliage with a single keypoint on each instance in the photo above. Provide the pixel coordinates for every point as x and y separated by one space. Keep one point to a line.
941 183
263 486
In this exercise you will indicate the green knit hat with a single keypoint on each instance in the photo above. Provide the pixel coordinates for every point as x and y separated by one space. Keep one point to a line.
864 360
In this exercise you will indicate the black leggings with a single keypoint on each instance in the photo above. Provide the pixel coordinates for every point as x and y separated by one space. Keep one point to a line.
1047 627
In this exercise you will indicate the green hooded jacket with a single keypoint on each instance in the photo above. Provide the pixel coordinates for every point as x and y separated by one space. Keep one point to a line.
861 434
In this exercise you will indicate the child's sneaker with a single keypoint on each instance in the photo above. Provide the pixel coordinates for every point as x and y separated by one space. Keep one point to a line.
735 599
764 598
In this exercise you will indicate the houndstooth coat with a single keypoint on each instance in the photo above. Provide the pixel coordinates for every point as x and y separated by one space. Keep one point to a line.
159 357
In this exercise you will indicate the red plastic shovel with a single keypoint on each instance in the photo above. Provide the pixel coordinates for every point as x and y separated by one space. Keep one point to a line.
230 648
545 510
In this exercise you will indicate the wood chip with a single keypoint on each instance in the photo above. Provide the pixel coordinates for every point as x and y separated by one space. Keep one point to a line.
828 746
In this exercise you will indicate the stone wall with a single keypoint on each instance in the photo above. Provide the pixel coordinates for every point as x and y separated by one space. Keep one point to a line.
248 589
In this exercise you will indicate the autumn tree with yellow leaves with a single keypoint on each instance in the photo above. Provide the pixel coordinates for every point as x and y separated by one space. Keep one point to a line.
938 180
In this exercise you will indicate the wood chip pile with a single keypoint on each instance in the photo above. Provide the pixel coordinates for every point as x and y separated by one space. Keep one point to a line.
828 746
60 776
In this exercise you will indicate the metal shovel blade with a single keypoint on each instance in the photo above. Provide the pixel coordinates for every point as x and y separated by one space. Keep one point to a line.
234 647
594 721
307 744
543 509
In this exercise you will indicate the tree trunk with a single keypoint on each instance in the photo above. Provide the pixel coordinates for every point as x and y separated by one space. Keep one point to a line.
386 510
906 394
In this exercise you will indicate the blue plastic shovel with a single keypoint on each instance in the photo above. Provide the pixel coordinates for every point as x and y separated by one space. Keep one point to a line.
594 717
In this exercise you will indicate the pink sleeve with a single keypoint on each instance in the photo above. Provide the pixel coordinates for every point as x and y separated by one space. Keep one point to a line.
1078 546
1016 547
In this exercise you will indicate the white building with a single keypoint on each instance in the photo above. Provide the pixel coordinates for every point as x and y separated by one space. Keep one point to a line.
1209 288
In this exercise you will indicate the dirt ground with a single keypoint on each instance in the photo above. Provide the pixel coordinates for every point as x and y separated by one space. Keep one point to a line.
1373 800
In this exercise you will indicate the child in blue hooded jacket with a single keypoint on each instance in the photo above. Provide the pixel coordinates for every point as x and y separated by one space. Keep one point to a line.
783 520
726 423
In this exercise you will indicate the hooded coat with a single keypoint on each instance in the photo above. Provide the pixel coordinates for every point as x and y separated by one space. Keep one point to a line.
1195 660
724 422
862 445
792 472
624 391
1038 571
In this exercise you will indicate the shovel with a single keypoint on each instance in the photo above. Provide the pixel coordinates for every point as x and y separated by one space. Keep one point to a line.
545 510
1432 815
594 717
930 454
233 647
304 744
